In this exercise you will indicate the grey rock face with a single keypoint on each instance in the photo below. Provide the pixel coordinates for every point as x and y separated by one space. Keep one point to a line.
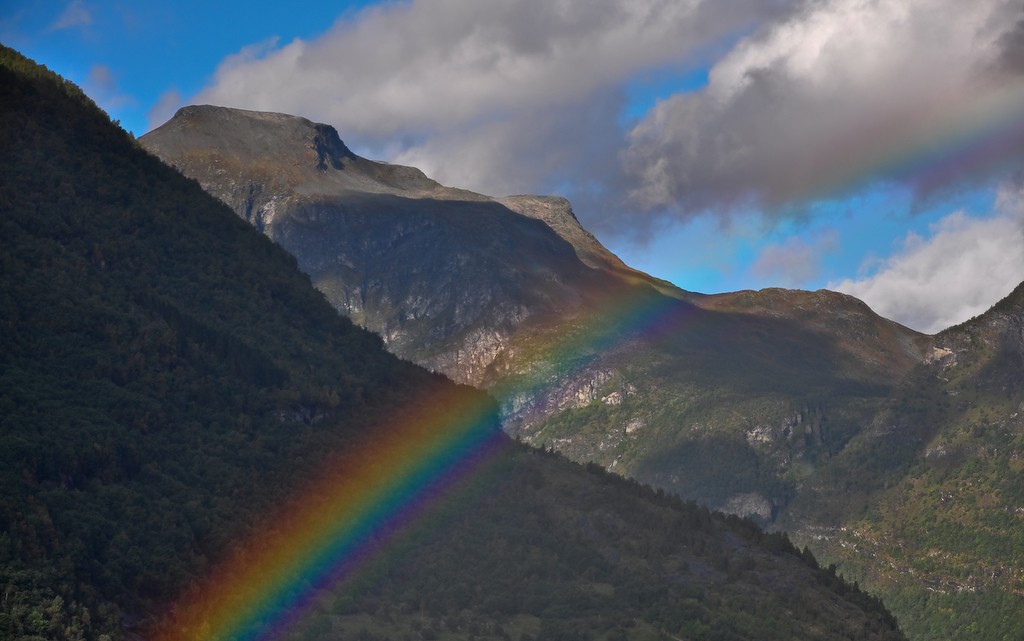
445 276
749 504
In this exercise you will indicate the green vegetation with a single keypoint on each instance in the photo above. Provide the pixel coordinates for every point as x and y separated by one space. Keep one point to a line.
550 551
927 507
717 412
168 378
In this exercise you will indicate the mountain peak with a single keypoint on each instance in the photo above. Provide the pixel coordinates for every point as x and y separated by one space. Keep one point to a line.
264 134
243 156
255 151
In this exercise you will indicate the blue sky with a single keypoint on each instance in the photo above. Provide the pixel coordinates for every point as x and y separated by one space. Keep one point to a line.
866 147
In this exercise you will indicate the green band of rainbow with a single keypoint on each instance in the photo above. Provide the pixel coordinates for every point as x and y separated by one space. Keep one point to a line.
387 483
341 521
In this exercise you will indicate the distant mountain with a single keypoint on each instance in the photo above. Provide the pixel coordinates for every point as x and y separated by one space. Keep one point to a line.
803 409
195 445
927 507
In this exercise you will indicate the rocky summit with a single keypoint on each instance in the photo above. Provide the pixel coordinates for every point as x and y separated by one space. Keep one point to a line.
444 275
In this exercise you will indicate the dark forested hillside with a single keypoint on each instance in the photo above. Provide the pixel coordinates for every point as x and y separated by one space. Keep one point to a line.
164 371
171 384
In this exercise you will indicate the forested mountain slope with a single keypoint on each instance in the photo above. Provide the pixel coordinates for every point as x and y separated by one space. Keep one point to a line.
928 506
194 445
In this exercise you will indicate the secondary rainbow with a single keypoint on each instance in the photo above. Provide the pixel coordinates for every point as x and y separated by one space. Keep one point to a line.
944 141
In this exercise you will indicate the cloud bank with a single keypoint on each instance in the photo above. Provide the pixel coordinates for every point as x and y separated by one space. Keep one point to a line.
959 271
833 98
502 97
806 99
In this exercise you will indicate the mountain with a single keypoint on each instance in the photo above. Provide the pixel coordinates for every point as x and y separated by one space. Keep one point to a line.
927 507
894 454
386 244
586 355
195 445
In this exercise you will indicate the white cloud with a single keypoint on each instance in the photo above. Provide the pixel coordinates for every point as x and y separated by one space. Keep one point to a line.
961 269
76 14
494 96
796 261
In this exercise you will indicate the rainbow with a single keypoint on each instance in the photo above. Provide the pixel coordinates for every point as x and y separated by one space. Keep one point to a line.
365 497
942 142
402 472
637 311
388 483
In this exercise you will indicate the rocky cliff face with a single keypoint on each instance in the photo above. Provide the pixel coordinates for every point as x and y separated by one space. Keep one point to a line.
444 275
604 363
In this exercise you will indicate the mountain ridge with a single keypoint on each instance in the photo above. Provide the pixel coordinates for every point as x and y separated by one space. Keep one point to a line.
805 409
172 384
471 286
295 207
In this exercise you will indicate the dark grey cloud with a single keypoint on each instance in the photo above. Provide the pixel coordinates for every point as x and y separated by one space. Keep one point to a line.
1011 49
836 97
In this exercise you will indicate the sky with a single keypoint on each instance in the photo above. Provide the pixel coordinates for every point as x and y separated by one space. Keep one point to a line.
868 146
